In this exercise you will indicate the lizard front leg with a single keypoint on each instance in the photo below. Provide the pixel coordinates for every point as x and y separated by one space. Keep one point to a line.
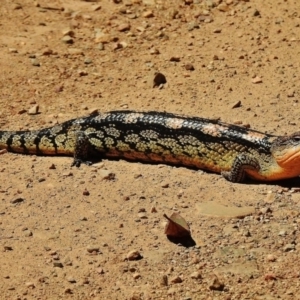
81 149
241 164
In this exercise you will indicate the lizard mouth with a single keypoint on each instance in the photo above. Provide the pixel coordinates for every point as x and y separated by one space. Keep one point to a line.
288 158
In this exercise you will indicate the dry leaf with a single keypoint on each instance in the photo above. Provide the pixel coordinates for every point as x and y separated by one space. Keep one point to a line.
177 226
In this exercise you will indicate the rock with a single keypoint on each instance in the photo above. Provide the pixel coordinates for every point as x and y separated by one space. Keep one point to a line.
282 233
256 80
153 209
28 233
271 257
101 37
237 104
71 279
82 73
189 67
12 50
8 248
154 51
85 192
148 14
34 110
30 285
17 6
88 61
67 39
216 284
256 13
35 62
175 58
223 7
17 200
265 210
217 30
164 280
100 270
158 79
92 248
106 175
134 255
289 247
136 276
176 279
68 32
100 46
124 27
142 215
196 275
291 93
58 264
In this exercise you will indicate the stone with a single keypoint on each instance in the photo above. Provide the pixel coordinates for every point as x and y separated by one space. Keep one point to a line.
134 255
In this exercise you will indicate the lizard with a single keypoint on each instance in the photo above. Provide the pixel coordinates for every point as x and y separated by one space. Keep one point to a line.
234 151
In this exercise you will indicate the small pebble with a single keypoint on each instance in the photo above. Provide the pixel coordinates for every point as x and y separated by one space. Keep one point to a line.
189 67
8 248
196 275
256 80
100 270
67 39
133 255
30 285
124 27
136 276
106 175
256 13
71 279
237 104
291 93
33 110
88 61
35 62
85 192
176 279
17 200
271 257
148 14
288 247
58 264
164 280
12 50
27 233
158 79
92 248
216 284
154 51
217 30
282 233
175 58
82 73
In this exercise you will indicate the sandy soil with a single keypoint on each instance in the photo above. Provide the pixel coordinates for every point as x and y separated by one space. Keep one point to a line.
67 233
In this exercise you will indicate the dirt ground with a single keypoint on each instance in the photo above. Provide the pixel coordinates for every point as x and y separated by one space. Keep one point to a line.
68 233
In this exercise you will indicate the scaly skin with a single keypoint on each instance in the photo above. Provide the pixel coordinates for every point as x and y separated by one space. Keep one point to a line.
235 152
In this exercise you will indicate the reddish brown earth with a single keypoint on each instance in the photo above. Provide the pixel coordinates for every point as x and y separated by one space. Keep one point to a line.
57 242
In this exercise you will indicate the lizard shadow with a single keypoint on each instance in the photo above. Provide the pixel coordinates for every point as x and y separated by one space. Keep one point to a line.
287 183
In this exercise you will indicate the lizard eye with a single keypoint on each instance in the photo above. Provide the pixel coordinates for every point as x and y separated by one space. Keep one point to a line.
296 138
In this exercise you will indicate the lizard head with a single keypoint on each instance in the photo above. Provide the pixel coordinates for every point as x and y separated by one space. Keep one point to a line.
286 151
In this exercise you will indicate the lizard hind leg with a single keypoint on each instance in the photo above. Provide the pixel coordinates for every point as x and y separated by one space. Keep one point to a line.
240 164
81 150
